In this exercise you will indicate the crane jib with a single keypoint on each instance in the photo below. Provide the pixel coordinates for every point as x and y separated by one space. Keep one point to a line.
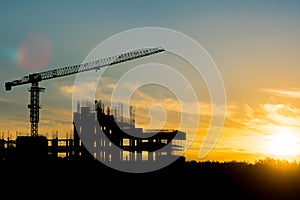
93 65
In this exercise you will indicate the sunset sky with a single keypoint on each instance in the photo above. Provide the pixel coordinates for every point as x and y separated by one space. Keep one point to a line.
255 45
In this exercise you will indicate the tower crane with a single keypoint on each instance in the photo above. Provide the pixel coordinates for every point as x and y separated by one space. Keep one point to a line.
35 78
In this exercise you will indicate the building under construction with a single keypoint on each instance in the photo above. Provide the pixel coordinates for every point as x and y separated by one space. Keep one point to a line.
100 132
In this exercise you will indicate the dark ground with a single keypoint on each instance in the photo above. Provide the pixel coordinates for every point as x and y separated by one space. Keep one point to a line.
183 180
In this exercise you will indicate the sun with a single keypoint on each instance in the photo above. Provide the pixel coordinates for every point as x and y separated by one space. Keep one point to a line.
283 143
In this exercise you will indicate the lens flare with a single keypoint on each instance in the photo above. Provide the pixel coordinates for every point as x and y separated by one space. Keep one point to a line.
34 52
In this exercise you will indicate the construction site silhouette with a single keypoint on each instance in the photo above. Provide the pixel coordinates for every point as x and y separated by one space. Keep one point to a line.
99 129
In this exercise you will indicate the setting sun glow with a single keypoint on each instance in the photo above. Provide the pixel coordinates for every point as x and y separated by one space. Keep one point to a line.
283 143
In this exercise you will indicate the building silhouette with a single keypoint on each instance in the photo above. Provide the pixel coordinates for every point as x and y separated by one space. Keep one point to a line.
110 137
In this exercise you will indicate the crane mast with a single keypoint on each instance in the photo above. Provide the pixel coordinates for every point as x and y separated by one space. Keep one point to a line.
35 78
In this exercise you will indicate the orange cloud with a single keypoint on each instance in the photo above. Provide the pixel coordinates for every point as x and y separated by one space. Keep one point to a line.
67 89
289 93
